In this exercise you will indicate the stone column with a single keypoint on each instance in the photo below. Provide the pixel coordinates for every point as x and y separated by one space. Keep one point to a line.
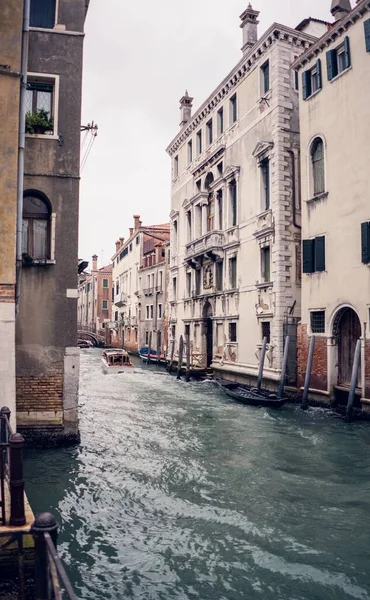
204 219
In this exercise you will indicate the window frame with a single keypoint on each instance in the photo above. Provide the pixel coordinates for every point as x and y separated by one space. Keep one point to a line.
55 80
105 286
209 130
53 21
314 255
233 199
266 264
233 332
220 121
265 78
314 328
266 183
199 139
50 229
233 109
233 272
307 79
105 305
190 152
314 179
266 334
332 59
176 167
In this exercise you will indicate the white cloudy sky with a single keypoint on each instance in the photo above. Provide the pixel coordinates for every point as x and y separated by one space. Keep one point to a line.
140 56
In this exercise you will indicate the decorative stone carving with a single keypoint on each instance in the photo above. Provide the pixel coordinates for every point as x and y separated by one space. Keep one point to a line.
208 277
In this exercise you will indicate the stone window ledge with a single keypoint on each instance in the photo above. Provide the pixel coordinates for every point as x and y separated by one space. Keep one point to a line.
38 263
267 284
317 198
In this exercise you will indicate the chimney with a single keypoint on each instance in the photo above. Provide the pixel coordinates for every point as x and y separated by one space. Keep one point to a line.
249 25
131 231
122 241
136 222
140 223
340 8
94 263
186 104
118 245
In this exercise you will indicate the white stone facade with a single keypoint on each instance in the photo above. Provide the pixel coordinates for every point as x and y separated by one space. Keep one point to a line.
235 237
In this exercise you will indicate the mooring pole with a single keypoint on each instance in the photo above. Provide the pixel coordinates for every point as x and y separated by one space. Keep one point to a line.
44 523
150 347
170 366
188 357
181 353
158 349
284 368
355 369
16 481
262 364
307 381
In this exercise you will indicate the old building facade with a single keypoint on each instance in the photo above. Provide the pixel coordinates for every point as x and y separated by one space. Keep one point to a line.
47 357
335 130
94 305
235 267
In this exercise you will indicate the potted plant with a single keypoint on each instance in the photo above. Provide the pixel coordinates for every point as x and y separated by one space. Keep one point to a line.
38 122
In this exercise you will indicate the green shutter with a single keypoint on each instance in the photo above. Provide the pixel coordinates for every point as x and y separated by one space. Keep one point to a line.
347 52
308 256
320 253
306 84
331 64
319 73
367 34
365 242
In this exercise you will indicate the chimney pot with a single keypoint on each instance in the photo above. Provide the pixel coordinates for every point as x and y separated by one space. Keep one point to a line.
94 262
131 230
249 25
340 8
118 245
186 105
136 222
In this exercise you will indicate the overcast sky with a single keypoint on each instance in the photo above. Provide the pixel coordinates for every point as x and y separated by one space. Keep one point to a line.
140 56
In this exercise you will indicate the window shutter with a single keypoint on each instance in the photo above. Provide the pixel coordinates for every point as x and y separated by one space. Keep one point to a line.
42 13
320 253
367 34
365 242
319 73
331 64
347 52
306 84
308 256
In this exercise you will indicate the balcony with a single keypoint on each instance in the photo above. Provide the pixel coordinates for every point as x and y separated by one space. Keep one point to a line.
120 300
153 290
211 244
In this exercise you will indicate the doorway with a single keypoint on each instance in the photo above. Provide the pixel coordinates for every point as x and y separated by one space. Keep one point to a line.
348 328
208 333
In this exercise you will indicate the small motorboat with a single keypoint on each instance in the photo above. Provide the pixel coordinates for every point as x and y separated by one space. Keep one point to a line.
153 356
251 396
115 361
84 344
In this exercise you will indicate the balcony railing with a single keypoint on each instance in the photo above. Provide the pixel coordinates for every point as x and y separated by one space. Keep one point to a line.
153 290
11 472
120 299
214 240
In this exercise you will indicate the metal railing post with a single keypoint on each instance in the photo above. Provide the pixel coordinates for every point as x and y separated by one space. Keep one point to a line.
16 481
4 412
44 523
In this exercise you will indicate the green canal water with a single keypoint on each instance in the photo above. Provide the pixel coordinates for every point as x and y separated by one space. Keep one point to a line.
177 492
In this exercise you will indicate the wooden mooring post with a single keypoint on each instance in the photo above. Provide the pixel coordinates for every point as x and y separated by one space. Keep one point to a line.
262 364
307 381
170 366
187 379
150 347
354 378
284 368
181 354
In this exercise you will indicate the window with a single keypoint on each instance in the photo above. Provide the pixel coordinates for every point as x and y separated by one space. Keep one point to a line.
265 174
42 13
314 255
233 203
105 283
338 60
187 332
131 247
367 34
188 218
198 282
116 315
36 228
211 215
147 338
160 280
311 80
151 311
220 121
265 72
199 142
137 240
318 167
232 332
209 132
220 169
365 242
40 105
176 167
296 80
318 321
219 275
117 287
190 152
233 272
175 235
147 311
233 109
174 288
159 311
220 210
266 264
266 331
188 284
105 304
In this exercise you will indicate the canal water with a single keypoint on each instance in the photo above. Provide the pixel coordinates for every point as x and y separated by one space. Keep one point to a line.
177 492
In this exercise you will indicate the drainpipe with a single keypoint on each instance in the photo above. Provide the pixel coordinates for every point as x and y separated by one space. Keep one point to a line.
294 194
21 147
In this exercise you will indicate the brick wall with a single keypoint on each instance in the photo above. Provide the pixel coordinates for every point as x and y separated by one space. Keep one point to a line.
367 369
319 377
40 394
7 293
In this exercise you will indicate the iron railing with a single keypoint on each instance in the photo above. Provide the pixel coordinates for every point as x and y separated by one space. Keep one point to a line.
11 472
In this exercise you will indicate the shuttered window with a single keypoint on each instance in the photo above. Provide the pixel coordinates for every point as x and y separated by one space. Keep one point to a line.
314 255
365 242
312 80
318 166
339 59
367 34
42 13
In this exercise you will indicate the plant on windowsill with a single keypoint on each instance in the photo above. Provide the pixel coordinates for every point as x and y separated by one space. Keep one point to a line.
38 123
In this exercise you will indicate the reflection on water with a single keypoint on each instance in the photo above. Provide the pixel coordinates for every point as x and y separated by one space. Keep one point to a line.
176 492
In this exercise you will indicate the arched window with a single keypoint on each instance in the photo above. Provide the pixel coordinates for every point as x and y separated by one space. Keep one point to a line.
36 227
318 166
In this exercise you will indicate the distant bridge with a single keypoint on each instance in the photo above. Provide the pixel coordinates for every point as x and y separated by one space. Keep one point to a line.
93 337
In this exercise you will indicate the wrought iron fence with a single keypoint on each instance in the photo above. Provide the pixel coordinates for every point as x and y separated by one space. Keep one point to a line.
11 472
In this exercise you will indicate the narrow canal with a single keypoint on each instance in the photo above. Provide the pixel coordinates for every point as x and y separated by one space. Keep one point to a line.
176 492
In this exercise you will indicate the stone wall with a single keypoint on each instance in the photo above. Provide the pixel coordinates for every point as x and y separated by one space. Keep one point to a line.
319 376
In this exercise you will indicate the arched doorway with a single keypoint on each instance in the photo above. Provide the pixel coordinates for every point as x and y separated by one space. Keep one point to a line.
208 332
347 331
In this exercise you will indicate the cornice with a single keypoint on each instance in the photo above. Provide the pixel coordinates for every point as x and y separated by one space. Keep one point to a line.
338 28
275 33
209 161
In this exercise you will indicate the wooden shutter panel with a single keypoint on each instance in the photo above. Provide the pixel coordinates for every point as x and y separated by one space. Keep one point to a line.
347 52
367 34
319 73
320 253
365 242
331 64
42 13
308 256
306 84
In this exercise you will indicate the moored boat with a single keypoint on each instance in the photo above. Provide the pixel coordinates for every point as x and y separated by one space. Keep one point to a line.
251 396
115 361
152 355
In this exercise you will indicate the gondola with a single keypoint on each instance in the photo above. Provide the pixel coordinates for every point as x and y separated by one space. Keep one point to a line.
251 396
